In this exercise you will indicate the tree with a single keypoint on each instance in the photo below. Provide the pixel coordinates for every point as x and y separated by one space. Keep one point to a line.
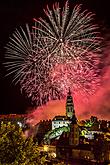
16 149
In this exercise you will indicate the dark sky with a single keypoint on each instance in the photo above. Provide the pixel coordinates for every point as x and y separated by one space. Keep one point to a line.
15 13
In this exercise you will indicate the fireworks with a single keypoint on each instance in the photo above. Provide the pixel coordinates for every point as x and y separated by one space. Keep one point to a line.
68 35
28 62
18 50
59 52
82 80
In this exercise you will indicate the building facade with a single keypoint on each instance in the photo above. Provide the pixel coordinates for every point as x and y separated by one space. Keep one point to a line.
60 121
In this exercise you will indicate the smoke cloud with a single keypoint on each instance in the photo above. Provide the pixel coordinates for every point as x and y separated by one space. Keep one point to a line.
97 105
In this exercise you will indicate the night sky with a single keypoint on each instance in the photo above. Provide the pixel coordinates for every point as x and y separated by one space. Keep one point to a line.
15 13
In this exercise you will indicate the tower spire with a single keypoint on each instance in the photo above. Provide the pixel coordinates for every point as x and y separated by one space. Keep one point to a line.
70 111
69 92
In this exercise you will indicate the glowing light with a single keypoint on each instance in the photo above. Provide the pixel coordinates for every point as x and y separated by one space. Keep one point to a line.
46 148
82 80
66 39
19 123
67 34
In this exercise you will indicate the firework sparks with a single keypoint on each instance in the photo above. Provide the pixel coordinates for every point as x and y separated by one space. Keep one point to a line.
19 47
60 51
82 80
29 64
68 35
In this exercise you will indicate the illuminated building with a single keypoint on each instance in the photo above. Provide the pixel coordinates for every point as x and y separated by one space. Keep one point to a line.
67 123
17 119
68 140
60 121
70 112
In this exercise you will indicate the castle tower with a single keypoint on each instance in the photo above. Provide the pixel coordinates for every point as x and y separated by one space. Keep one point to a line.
70 112
74 134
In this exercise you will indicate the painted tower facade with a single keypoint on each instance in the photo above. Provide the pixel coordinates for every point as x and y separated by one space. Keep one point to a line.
70 112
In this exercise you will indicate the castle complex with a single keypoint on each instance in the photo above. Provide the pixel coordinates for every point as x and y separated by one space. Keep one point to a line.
69 120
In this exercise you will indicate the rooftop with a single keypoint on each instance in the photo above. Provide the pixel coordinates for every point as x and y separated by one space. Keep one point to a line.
60 118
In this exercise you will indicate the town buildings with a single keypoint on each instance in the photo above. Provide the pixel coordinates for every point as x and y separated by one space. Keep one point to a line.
67 138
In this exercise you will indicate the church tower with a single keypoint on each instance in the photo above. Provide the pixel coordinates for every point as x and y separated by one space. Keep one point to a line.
70 112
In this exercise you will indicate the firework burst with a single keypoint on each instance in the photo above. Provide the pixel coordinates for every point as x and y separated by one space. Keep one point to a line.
83 81
17 51
60 51
68 34
28 62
